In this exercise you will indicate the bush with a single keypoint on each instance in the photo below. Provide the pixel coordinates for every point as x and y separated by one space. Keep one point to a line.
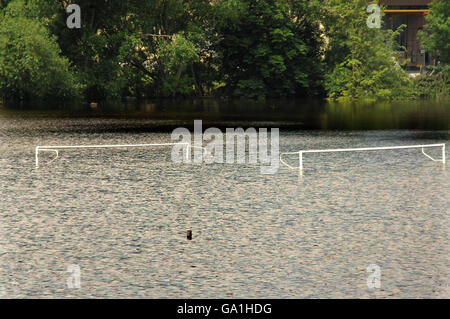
31 66
435 84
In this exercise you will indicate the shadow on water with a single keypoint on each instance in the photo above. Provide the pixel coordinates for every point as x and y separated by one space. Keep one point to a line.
295 114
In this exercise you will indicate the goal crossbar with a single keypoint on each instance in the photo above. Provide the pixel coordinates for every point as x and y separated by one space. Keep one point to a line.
360 149
55 148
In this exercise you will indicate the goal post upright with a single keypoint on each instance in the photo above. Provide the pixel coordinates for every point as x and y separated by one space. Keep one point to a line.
443 154
36 154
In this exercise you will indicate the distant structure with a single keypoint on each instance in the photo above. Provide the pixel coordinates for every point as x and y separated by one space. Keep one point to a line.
411 13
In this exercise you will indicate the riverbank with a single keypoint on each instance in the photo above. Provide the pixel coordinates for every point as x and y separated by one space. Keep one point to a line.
167 114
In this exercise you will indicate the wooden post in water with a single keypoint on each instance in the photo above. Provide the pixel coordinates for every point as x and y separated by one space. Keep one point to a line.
189 234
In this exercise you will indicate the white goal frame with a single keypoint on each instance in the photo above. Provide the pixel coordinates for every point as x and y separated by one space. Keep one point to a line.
301 152
55 148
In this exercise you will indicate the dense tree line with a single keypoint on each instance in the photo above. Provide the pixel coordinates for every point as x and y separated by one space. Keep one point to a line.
185 48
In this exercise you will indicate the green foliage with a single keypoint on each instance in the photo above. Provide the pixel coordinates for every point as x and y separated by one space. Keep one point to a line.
360 59
30 62
437 30
178 48
434 85
94 49
175 56
269 49
165 47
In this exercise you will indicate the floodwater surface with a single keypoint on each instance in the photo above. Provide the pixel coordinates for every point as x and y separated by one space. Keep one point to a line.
121 215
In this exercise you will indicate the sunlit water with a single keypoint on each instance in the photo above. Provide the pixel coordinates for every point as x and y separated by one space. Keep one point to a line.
122 216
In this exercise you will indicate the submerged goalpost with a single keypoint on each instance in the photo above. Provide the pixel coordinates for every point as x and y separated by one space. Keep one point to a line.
55 148
301 152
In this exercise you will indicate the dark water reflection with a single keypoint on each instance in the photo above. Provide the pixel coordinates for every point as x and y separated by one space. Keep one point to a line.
288 114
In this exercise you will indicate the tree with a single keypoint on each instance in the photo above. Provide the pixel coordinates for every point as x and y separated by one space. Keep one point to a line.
268 48
361 60
169 46
94 48
30 62
437 30
173 48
